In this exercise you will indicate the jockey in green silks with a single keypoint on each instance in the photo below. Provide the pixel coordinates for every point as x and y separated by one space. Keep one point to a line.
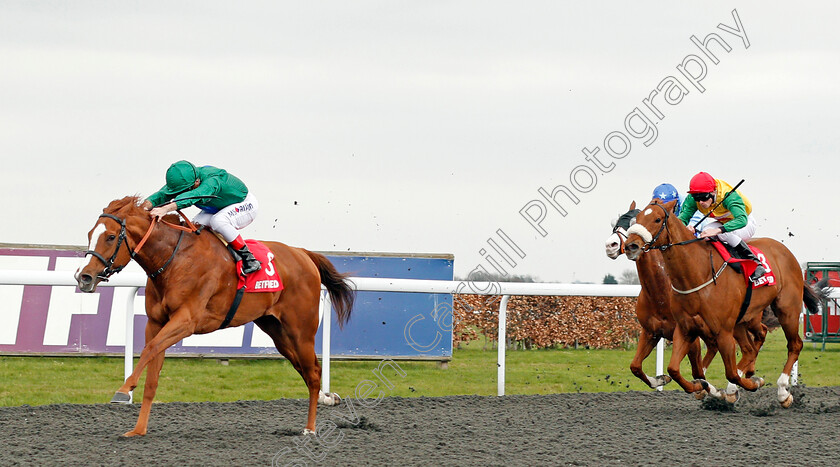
226 204
731 219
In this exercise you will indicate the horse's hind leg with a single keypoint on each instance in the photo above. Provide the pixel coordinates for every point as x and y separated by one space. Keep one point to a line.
788 315
300 351
646 344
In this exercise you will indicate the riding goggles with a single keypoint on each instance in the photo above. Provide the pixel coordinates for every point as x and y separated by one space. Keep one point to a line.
699 197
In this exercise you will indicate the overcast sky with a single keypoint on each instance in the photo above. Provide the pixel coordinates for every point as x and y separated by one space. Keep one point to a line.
423 127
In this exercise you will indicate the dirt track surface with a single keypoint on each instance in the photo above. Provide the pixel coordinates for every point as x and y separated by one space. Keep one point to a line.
631 428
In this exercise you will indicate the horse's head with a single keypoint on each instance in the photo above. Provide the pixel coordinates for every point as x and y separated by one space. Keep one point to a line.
615 242
650 229
108 251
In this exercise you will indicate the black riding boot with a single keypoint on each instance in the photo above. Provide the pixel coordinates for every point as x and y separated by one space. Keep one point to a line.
249 263
744 252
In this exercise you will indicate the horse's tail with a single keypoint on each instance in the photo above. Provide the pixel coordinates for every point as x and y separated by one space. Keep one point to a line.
341 294
814 295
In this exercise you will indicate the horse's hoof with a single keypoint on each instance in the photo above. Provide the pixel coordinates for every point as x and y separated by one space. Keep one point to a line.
662 380
732 397
328 399
307 432
132 434
758 381
121 398
787 402
703 383
700 395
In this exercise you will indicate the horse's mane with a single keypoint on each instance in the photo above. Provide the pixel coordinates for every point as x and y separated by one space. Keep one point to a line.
128 206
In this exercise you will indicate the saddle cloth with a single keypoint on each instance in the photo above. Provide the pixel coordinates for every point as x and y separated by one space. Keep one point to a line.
264 280
747 265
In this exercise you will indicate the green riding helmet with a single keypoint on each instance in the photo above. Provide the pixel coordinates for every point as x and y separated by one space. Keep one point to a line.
180 177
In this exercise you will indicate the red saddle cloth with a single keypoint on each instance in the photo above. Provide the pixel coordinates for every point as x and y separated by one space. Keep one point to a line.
747 265
264 280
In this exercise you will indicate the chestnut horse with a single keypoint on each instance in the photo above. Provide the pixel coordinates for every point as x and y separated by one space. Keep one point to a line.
709 296
653 311
192 284
653 307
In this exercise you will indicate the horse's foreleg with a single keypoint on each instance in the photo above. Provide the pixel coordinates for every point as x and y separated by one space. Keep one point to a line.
698 371
171 333
646 344
748 350
726 346
152 356
711 351
678 351
149 390
751 337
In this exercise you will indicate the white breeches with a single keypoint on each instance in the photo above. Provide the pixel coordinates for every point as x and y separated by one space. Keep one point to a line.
733 238
230 219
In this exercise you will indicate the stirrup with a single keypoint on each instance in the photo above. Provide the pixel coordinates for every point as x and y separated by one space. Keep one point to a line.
248 267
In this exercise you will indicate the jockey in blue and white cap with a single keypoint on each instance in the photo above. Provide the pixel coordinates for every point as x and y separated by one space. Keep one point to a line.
667 193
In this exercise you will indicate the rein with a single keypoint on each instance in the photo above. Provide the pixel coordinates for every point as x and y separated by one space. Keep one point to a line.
664 227
110 270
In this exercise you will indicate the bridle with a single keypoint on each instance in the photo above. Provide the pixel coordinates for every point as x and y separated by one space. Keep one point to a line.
122 237
110 270
664 228
620 230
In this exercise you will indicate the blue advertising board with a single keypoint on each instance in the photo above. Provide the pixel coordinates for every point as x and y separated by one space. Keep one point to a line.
395 324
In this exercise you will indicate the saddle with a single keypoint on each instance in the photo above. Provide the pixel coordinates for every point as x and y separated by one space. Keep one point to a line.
746 266
264 280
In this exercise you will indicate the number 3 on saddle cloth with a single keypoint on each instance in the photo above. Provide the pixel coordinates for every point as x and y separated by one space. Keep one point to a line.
747 265
264 280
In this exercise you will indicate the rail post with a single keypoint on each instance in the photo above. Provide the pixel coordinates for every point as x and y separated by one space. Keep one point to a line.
129 337
502 344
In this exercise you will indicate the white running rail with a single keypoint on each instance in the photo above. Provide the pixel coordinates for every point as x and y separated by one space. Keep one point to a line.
505 289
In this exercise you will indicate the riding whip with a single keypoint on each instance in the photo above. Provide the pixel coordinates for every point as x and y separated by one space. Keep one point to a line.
718 203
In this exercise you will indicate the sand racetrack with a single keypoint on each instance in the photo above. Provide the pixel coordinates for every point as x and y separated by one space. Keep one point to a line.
630 428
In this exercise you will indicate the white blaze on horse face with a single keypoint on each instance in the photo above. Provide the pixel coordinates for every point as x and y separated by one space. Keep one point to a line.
94 239
641 231
648 211
613 245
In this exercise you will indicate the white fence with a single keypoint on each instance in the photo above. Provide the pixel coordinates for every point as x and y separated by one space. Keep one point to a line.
136 280
505 289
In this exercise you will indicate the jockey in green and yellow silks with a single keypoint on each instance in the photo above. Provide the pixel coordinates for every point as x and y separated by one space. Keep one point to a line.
731 220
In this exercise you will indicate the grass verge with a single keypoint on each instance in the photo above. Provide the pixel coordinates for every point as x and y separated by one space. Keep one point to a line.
87 380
